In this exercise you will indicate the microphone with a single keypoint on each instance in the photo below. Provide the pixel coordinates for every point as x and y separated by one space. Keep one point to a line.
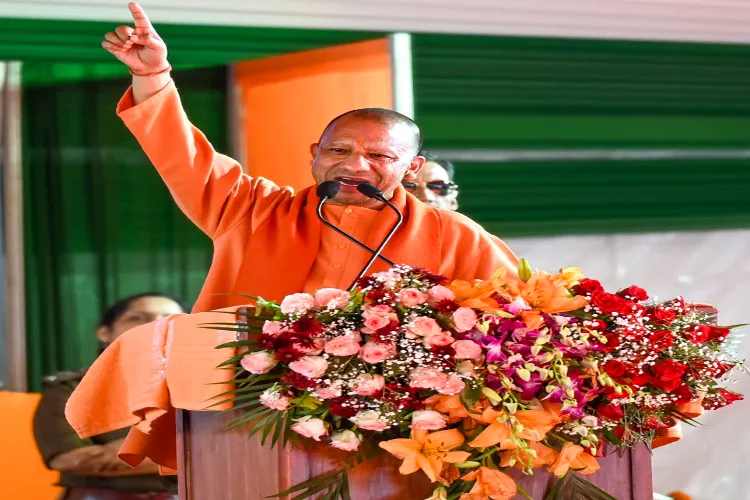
371 191
330 189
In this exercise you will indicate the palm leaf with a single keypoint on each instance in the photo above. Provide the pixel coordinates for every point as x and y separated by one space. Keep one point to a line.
572 486
329 477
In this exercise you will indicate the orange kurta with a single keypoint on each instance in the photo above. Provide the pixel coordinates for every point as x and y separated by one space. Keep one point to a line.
268 241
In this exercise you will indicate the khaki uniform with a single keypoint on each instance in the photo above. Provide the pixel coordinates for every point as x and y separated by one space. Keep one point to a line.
55 436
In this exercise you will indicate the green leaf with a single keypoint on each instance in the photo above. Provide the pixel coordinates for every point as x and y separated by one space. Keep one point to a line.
329 477
470 396
574 486
467 465
523 493
524 271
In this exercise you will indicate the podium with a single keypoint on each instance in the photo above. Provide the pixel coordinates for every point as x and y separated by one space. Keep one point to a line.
218 464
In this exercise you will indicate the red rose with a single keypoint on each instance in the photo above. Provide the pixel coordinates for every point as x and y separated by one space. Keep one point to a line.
614 368
662 316
666 385
634 293
669 369
697 334
610 412
661 340
587 287
613 341
622 433
703 368
640 379
729 396
637 310
718 333
609 303
684 394
653 422
597 324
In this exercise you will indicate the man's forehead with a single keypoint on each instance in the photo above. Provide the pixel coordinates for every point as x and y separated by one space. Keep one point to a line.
365 131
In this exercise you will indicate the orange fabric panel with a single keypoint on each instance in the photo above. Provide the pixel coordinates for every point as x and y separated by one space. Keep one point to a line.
287 101
22 471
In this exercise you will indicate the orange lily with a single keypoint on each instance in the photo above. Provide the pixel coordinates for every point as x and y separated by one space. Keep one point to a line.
496 433
545 295
541 455
537 423
427 451
451 406
573 456
490 483
476 295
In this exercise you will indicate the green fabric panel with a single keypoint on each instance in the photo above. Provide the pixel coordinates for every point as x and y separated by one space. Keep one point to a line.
504 92
549 198
100 224
190 46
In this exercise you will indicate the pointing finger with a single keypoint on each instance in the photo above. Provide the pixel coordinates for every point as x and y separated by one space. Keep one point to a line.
139 16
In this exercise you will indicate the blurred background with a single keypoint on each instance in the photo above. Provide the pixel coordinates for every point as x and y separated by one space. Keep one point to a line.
614 136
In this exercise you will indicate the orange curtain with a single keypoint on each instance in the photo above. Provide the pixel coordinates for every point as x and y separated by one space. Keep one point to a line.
286 101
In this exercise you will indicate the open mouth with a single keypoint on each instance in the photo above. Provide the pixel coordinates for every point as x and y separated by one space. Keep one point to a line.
350 182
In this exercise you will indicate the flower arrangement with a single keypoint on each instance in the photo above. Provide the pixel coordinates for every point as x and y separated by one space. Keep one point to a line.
463 380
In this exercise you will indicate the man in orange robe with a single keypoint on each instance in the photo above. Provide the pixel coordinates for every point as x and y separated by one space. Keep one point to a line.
267 239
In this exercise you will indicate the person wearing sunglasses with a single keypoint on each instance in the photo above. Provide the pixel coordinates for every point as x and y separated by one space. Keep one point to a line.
434 184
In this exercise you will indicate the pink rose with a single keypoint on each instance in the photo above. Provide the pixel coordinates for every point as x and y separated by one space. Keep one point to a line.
427 378
427 420
376 353
368 385
452 386
423 327
345 440
440 293
467 349
272 328
377 310
310 427
411 297
465 319
274 400
370 420
331 298
342 346
297 303
374 323
329 392
310 366
259 362
441 339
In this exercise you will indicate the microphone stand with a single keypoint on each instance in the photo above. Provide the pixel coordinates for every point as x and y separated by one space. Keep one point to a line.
323 199
400 218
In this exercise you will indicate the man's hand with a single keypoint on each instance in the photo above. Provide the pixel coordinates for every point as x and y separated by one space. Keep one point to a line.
140 48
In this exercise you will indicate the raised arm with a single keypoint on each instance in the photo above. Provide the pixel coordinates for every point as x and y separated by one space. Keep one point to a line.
210 188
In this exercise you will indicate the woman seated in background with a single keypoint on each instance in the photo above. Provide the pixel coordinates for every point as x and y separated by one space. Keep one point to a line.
90 469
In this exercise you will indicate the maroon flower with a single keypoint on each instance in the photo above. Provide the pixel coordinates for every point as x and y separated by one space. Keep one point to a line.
342 407
588 286
634 293
288 354
385 335
380 296
307 325
298 381
445 306
431 278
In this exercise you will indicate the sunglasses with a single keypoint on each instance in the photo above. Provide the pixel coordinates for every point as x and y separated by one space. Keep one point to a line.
440 188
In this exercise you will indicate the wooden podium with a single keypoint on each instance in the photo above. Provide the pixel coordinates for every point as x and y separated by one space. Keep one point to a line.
216 464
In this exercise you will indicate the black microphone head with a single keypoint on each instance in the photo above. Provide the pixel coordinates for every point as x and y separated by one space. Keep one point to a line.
369 190
329 189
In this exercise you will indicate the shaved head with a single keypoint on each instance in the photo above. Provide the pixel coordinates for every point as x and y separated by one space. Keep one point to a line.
387 117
